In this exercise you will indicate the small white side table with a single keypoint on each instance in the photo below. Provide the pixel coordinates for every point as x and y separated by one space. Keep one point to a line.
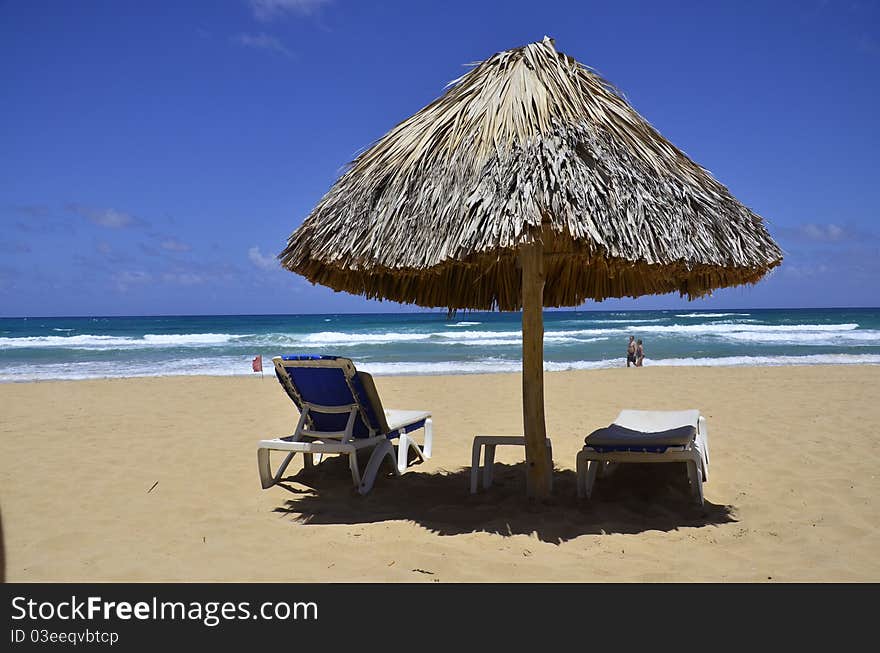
489 442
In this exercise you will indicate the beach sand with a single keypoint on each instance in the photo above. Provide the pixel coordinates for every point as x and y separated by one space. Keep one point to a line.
156 480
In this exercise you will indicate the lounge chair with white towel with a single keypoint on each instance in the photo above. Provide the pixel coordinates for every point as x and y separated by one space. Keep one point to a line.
647 436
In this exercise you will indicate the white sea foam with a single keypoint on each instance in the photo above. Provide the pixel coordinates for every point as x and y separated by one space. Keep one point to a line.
614 321
847 334
79 370
488 366
712 314
730 328
193 338
810 359
515 342
465 324
337 338
72 342
330 339
793 334
88 341
241 366
477 335
322 340
574 333
484 342
441 367
739 320
485 366
864 337
459 336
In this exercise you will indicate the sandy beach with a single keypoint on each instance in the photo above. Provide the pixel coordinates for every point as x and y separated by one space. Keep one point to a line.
155 479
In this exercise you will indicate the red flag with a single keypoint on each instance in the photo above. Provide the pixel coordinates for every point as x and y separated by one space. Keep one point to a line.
257 364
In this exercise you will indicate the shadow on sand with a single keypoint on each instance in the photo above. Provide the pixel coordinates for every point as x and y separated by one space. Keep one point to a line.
636 498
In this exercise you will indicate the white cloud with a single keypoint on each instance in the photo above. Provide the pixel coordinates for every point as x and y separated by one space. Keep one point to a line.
804 271
110 218
127 278
184 278
268 9
173 245
262 41
825 233
264 262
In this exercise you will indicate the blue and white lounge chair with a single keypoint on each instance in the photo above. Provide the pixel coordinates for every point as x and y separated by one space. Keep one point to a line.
340 412
647 436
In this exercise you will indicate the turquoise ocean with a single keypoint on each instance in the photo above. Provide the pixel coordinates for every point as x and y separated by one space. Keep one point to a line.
41 348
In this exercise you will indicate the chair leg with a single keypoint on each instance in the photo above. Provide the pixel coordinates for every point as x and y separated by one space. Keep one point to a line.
403 452
692 474
419 451
592 472
699 496
382 451
705 460
353 466
429 438
406 442
696 480
264 468
581 473
267 478
488 465
703 446
475 465
704 431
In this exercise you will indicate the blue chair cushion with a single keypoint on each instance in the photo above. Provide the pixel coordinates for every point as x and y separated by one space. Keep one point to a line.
620 438
330 386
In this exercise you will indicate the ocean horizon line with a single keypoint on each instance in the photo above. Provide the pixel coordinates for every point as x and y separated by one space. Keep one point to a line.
479 367
440 311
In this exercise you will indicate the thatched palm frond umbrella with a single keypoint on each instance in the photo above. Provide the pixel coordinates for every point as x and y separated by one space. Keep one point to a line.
529 183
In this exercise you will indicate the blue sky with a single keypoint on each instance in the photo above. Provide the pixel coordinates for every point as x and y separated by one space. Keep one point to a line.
154 156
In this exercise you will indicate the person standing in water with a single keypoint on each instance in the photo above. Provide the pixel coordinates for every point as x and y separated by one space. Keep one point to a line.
631 351
640 353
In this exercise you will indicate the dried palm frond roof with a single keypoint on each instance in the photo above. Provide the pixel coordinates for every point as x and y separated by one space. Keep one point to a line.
528 145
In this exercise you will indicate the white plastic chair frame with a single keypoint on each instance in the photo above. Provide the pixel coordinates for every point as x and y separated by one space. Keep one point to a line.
309 443
592 463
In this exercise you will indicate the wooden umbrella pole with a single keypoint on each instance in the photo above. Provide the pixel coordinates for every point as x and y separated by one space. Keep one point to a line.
537 464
